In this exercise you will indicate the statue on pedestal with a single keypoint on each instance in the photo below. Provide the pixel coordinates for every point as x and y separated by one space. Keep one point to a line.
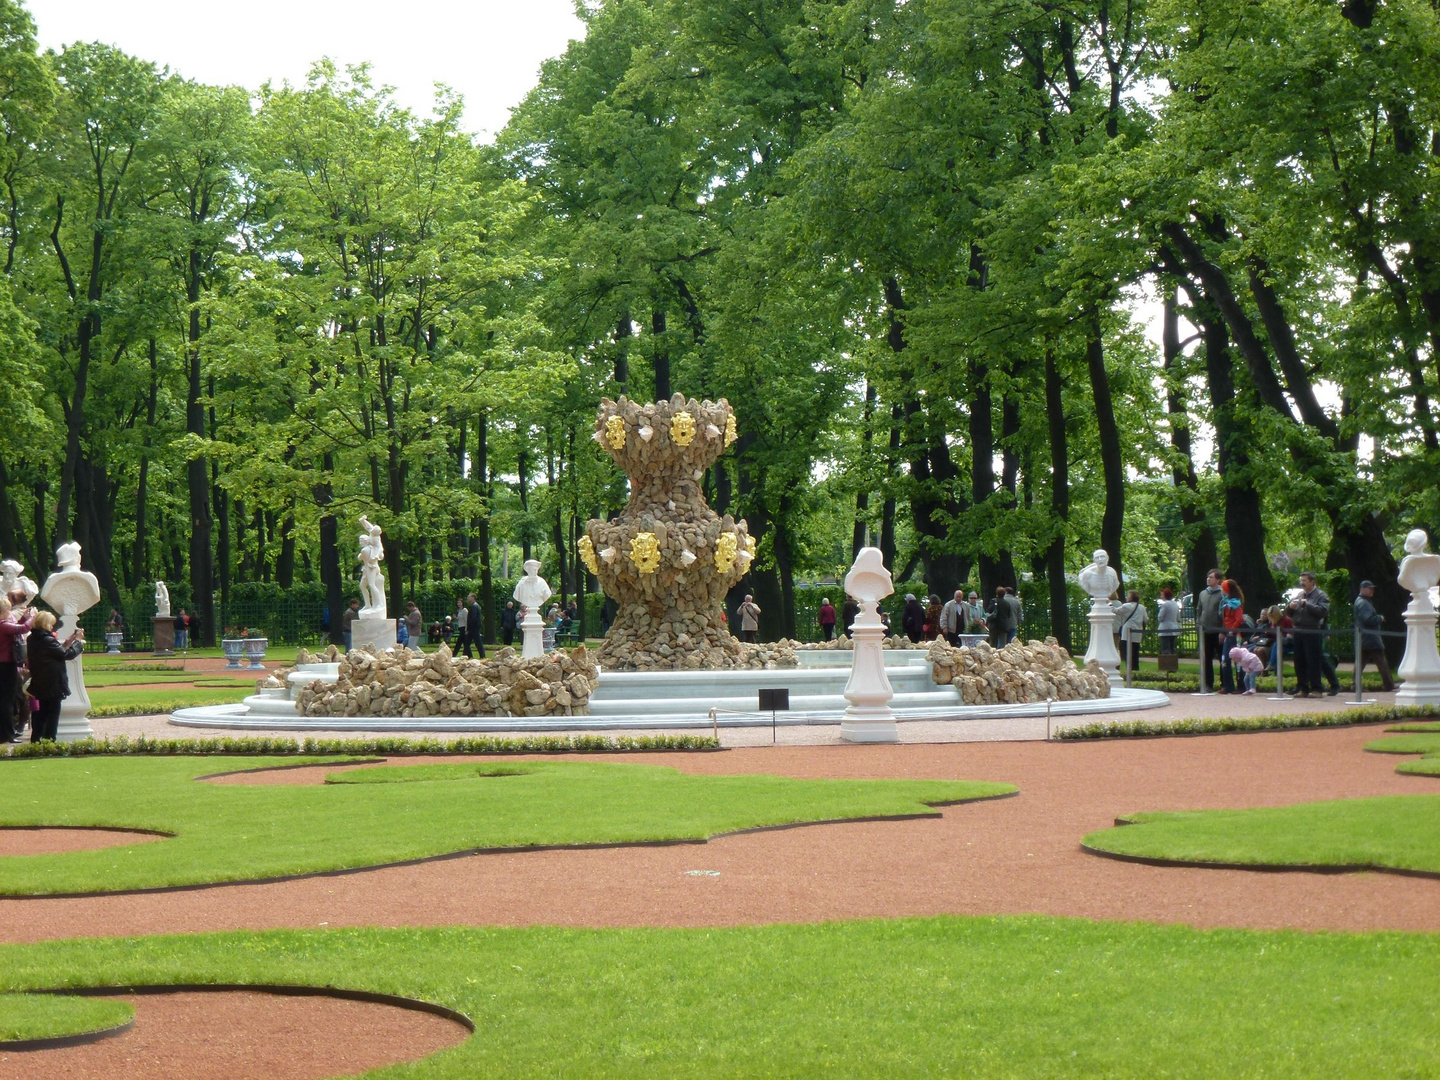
372 579
1419 670
869 717
1100 581
72 591
531 591
162 600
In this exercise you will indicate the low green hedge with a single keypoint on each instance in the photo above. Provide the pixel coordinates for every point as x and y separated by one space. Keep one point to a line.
1129 729
470 744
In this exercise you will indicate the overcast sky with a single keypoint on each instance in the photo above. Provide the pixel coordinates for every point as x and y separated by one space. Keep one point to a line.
488 50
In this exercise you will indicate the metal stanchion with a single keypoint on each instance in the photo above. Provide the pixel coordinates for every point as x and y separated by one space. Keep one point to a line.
1279 694
1204 670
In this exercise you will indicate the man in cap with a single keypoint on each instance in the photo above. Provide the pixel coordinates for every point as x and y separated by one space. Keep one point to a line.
1372 647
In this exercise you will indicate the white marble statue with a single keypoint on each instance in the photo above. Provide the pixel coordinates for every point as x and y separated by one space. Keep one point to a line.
372 579
1419 669
1099 579
531 591
13 580
1419 571
1100 582
162 600
72 591
869 717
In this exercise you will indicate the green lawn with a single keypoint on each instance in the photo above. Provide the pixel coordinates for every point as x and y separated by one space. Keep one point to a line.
236 833
1427 744
1398 832
953 997
129 701
49 1016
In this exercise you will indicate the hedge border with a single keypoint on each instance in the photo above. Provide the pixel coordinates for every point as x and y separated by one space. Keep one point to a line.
271 747
1149 729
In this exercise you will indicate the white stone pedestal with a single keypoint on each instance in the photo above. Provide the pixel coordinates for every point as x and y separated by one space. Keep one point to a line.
74 710
1419 670
1102 641
869 718
377 632
533 629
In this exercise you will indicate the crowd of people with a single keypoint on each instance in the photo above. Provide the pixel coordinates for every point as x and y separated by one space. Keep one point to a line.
33 676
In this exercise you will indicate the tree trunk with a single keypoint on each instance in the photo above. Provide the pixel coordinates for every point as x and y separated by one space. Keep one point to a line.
480 475
662 355
1059 501
1111 459
138 564
1201 554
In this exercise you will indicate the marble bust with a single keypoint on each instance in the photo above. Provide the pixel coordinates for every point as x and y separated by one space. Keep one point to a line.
13 580
162 600
1419 571
532 590
372 580
868 581
1099 579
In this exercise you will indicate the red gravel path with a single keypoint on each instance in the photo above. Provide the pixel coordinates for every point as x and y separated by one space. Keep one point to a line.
227 1035
1017 855
52 841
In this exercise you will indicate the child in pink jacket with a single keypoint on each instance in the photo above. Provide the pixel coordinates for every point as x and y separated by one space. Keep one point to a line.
1248 664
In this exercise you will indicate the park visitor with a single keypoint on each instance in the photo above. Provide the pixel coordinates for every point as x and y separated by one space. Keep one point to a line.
1005 619
912 619
1130 627
1310 612
1212 628
475 625
347 628
49 683
750 620
1232 619
1372 645
849 612
827 619
1167 621
182 630
14 624
459 624
414 622
977 619
509 619
1248 664
953 618
932 618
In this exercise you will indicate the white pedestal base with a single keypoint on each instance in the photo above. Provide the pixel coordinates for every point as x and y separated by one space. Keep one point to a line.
533 627
1419 671
377 632
1102 641
869 718
74 710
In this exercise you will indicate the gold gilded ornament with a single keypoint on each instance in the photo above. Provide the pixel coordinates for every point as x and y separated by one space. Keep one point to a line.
615 432
645 553
682 429
725 551
730 435
587 555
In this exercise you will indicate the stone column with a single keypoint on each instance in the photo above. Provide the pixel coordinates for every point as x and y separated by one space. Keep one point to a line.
164 635
1419 670
1102 641
533 629
74 710
869 718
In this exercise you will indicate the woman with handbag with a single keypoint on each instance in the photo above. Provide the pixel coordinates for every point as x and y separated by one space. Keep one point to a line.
49 684
12 629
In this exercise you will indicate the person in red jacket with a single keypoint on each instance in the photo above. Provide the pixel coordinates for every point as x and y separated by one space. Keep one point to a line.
13 624
827 619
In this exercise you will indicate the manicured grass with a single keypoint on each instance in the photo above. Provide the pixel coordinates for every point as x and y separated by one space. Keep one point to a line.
942 997
49 1016
126 701
236 833
1216 725
1398 832
1427 744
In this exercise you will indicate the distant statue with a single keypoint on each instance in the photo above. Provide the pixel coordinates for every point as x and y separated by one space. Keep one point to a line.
14 583
162 600
531 591
1099 579
372 579
868 581
1419 571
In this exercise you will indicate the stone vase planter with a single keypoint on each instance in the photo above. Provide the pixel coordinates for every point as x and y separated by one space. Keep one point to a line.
255 650
234 649
112 642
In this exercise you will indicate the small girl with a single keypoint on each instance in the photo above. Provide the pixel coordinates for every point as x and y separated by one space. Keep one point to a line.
1248 664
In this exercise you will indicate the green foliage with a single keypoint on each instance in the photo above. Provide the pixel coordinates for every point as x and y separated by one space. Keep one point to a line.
388 745
1121 729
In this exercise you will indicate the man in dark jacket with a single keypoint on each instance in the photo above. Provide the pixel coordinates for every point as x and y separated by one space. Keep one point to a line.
475 625
49 682
509 619
1310 612
1372 646
1005 618
1210 619
912 619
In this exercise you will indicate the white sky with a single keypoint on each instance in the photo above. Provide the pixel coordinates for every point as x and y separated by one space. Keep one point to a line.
488 50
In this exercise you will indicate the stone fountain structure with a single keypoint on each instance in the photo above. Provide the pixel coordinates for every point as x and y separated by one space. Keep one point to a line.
668 559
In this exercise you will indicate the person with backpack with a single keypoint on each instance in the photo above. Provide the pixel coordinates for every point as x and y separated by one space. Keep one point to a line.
1130 618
